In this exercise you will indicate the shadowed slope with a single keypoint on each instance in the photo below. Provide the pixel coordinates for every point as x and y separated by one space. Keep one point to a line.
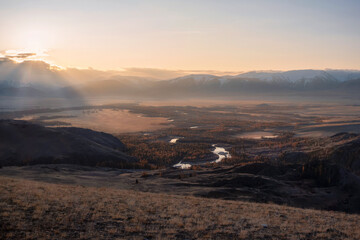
24 143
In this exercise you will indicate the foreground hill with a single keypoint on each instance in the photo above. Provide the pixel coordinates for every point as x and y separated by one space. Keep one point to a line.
23 143
34 210
316 185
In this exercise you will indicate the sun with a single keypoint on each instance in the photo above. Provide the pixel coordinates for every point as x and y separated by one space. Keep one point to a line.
32 42
34 36
35 39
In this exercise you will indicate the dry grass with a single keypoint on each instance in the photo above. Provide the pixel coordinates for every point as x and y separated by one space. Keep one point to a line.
35 210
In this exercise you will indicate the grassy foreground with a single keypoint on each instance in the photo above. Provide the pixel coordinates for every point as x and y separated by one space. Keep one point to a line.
37 210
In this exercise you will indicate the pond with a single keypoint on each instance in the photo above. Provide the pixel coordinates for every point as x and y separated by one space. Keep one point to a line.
257 135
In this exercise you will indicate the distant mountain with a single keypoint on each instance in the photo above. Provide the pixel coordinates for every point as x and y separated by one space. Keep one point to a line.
24 143
21 91
198 79
116 86
30 79
210 85
302 75
39 79
35 74
266 82
40 75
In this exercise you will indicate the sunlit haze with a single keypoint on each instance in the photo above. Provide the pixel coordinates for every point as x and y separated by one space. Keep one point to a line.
180 119
204 35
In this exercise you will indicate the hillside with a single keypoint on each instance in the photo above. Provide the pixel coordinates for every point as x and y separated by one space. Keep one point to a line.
23 143
33 210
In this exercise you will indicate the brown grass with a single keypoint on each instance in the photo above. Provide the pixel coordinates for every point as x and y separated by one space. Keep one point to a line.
35 210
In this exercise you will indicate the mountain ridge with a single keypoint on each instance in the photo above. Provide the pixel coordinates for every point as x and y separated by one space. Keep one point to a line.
29 78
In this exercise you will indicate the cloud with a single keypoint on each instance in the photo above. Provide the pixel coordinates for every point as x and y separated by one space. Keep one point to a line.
23 55
19 56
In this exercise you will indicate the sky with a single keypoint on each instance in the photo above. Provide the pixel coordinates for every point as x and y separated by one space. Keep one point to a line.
199 35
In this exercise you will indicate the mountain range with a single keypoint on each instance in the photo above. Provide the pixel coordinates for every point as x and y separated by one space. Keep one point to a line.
38 79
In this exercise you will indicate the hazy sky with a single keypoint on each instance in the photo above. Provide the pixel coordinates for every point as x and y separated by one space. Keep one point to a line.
222 35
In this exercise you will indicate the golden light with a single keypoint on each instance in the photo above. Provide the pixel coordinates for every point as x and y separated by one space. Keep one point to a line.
32 43
26 54
35 37
30 55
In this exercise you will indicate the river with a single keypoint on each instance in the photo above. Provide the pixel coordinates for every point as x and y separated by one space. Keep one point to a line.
219 151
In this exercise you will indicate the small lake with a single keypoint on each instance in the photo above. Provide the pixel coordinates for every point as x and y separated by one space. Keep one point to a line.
257 135
173 140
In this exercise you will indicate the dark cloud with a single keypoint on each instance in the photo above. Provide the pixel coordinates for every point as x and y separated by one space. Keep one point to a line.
21 55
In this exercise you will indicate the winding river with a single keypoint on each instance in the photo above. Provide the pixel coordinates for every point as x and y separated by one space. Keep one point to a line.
219 151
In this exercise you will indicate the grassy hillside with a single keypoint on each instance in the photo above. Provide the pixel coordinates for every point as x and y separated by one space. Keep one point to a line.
36 210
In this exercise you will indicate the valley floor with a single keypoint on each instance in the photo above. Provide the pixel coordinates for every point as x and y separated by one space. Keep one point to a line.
38 210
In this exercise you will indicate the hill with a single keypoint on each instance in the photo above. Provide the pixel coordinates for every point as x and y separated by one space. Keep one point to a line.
24 143
30 210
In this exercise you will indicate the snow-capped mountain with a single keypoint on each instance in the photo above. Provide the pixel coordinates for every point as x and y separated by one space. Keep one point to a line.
301 75
297 79
38 79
